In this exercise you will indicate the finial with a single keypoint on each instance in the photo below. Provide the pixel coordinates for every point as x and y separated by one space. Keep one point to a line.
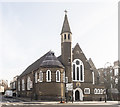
65 11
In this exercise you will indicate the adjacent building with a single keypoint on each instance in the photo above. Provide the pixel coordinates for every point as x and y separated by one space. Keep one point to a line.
3 85
13 85
108 76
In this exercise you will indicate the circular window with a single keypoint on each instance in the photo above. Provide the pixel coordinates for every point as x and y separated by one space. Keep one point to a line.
77 62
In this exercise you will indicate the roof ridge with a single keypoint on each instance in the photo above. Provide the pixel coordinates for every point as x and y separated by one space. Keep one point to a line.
30 68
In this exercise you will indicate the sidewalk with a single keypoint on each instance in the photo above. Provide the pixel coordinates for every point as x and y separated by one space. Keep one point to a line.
28 100
109 104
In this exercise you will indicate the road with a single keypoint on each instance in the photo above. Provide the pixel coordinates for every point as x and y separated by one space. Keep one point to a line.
58 105
13 102
4 99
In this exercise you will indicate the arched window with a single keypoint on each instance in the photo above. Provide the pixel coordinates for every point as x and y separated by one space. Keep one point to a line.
116 81
48 76
68 36
78 73
41 76
73 71
78 70
57 76
36 77
101 91
116 72
18 85
81 69
64 36
95 91
23 84
93 77
98 91
28 83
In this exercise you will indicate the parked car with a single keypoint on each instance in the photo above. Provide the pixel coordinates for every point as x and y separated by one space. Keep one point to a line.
8 93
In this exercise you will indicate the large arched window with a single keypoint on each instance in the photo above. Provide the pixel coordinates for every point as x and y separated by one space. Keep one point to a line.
57 76
48 76
78 70
40 76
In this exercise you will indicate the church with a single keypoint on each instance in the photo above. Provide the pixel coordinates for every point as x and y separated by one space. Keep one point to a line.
67 76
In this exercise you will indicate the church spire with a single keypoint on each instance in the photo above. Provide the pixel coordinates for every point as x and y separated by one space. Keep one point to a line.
66 27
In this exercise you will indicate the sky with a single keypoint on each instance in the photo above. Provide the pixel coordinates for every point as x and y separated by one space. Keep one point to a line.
28 30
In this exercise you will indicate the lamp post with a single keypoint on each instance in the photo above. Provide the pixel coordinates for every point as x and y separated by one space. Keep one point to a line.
66 90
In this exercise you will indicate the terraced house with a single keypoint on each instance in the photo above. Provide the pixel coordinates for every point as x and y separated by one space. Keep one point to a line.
69 75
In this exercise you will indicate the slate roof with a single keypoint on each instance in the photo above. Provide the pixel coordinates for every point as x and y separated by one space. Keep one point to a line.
66 27
60 58
83 57
51 60
34 65
47 60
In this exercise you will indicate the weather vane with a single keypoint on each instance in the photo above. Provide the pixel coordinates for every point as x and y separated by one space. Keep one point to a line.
65 11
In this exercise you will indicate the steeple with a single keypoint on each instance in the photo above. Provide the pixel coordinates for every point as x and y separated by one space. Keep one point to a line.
66 48
66 27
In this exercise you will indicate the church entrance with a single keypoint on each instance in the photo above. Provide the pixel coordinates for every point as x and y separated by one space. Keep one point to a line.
77 95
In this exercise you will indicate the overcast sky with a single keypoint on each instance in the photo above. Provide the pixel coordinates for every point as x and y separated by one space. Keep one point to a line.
28 30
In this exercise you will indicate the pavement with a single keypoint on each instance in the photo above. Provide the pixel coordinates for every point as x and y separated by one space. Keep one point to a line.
58 103
80 102
34 103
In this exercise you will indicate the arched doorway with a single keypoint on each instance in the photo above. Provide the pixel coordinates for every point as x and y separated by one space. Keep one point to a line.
77 95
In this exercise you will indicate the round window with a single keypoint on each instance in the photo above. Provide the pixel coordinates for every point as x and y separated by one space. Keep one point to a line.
77 62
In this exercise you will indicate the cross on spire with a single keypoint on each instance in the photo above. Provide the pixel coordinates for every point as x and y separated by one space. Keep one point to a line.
66 27
65 11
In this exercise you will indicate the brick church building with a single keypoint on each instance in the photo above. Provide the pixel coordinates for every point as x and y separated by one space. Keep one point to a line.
68 76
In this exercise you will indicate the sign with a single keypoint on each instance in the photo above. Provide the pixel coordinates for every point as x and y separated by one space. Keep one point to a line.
69 86
66 79
78 84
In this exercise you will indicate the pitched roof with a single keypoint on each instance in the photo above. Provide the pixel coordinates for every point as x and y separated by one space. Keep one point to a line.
77 45
66 27
34 65
91 63
82 55
51 60
59 58
47 60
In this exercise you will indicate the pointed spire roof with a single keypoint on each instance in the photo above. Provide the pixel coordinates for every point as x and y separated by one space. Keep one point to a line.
66 27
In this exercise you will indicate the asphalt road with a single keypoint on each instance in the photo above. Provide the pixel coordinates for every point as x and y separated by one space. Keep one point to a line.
4 99
59 105
13 102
